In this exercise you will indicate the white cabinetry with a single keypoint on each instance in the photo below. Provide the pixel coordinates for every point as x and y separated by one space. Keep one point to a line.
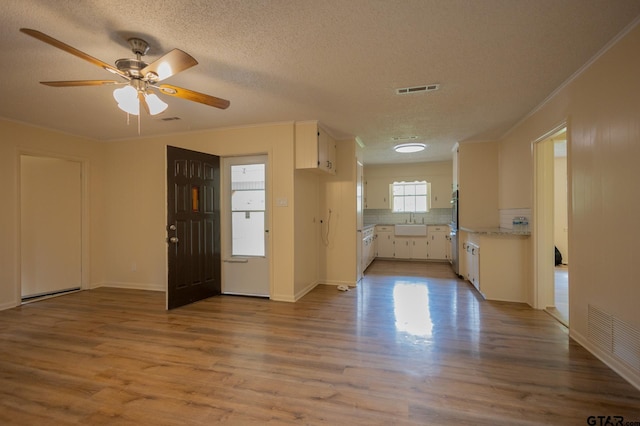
411 247
377 194
385 241
315 149
472 260
419 248
403 248
369 247
440 192
437 242
502 271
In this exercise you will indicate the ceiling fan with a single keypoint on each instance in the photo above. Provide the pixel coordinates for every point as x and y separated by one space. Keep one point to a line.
141 78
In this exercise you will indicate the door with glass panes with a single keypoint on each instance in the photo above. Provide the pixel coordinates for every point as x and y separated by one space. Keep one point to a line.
246 262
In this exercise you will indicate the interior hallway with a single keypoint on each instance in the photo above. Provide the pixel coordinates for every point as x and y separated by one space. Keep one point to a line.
411 345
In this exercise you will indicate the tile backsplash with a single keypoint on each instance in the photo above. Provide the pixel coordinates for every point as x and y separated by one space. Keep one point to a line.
507 215
387 217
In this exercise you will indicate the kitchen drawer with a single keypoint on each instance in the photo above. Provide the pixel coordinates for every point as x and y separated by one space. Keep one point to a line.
437 228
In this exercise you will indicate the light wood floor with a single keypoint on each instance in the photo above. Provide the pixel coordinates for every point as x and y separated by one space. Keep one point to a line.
411 345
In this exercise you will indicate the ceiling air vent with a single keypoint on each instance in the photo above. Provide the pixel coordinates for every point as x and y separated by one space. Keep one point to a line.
417 89
170 119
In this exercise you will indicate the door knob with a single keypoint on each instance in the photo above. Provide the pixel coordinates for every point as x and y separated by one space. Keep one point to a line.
173 240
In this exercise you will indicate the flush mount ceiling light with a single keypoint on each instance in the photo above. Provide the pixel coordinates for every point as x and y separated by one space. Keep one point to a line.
409 147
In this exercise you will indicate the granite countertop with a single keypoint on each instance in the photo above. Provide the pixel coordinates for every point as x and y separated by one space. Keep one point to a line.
496 231
393 224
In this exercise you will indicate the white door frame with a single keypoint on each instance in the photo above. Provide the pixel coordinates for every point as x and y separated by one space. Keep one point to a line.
543 212
229 261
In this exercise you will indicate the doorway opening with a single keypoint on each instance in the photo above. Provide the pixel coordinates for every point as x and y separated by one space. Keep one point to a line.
551 226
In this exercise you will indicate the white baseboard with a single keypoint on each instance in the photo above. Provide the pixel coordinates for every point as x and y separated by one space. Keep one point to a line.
336 282
8 305
299 295
133 286
622 369
282 298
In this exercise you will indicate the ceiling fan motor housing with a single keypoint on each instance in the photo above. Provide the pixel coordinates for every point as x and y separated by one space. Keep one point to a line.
131 67
138 46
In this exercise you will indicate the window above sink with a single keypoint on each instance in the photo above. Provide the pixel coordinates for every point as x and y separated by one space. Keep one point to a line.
410 197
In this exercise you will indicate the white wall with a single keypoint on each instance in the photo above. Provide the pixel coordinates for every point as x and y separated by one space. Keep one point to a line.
478 184
135 191
338 263
602 109
438 173
16 139
307 231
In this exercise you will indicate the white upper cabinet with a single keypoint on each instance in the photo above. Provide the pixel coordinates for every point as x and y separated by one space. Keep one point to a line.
315 149
377 193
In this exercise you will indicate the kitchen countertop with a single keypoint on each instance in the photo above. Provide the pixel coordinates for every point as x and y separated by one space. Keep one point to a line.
393 224
496 231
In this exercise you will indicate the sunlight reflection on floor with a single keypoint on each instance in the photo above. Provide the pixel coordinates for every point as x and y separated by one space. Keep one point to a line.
411 308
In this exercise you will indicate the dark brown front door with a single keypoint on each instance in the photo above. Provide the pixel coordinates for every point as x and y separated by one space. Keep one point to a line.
193 226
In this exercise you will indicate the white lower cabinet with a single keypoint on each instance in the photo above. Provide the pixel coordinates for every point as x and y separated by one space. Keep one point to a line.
419 248
472 262
403 248
369 247
437 242
385 241
411 248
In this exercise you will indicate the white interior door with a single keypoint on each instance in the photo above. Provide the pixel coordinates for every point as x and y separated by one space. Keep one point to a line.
50 225
245 249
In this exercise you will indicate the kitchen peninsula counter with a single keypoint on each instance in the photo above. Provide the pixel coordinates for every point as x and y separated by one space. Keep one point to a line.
497 261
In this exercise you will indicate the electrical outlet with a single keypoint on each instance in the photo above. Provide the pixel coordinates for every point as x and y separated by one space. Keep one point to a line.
134 267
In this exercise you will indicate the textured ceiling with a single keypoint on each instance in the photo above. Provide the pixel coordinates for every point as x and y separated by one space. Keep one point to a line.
338 61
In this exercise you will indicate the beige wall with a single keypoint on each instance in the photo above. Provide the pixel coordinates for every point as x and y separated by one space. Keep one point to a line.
338 258
438 173
602 110
126 206
478 184
136 190
307 231
16 138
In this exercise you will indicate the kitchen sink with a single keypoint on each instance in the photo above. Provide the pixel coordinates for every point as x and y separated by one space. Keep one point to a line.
410 230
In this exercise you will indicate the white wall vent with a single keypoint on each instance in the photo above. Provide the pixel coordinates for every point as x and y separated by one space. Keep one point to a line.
614 336
417 89
626 343
600 328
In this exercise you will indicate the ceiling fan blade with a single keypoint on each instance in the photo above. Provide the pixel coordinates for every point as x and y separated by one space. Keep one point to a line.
190 95
169 64
143 102
74 83
63 46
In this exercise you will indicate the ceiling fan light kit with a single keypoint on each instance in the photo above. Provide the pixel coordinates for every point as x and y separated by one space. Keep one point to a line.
140 78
